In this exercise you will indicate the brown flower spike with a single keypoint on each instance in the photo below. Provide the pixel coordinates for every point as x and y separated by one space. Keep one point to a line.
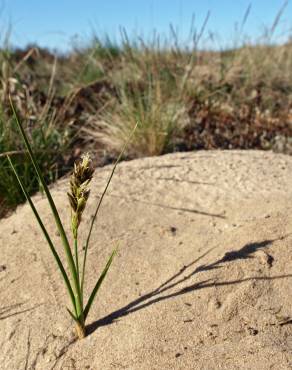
79 191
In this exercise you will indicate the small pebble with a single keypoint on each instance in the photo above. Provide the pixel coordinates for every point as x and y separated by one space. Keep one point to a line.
2 268
173 230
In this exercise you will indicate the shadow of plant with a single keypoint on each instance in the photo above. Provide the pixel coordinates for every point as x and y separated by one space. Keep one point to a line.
173 208
5 312
155 296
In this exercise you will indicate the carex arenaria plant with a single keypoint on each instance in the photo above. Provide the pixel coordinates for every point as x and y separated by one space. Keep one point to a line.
78 196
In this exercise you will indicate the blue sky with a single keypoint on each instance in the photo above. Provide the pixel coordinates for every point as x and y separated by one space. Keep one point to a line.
55 23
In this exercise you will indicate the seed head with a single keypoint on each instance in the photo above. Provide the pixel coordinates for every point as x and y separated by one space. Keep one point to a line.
79 192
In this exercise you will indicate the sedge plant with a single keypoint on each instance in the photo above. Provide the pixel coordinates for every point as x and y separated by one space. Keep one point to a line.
79 193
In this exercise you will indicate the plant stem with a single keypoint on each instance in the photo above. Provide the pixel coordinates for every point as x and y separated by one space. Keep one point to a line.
80 329
76 256
77 271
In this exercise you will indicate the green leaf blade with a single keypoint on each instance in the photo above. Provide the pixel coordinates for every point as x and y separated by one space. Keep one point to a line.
46 234
98 284
65 242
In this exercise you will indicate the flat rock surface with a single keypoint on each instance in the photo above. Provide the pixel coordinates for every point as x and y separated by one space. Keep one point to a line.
202 279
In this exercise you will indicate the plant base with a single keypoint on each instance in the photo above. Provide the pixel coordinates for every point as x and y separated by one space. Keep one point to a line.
80 330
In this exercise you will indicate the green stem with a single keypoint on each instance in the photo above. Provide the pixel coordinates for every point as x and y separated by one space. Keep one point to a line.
76 256
77 270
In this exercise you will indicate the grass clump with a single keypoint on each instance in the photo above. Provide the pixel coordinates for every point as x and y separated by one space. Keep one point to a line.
78 197
161 121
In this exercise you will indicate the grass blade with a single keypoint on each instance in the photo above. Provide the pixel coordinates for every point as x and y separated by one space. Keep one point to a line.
71 314
98 284
59 224
99 204
44 230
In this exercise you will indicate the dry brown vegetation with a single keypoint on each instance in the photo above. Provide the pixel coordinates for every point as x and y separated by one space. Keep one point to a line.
182 100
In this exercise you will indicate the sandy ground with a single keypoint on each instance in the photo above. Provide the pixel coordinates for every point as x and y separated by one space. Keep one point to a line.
202 280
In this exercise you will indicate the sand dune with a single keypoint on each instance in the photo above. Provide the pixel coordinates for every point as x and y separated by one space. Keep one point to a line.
202 280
